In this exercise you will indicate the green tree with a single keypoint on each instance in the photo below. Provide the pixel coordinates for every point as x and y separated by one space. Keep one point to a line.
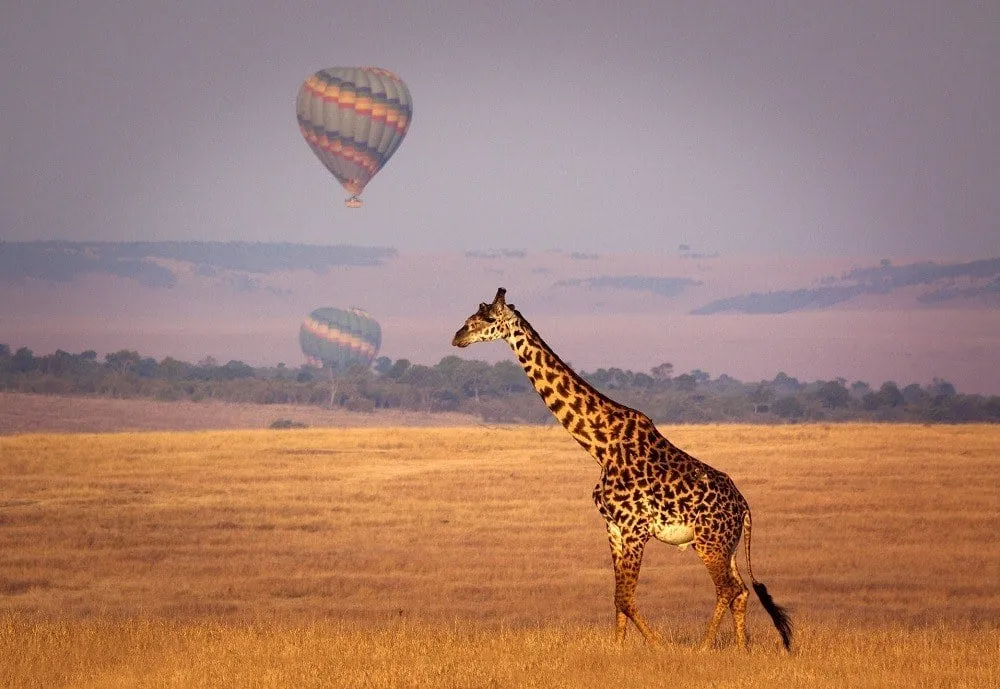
235 369
788 408
123 361
173 369
915 396
859 389
662 372
425 380
473 377
889 395
643 381
784 384
399 367
833 395
700 376
761 397
23 361
147 367
940 389
685 382
508 378
60 363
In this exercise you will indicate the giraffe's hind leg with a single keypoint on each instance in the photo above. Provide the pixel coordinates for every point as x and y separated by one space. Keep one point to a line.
738 606
730 592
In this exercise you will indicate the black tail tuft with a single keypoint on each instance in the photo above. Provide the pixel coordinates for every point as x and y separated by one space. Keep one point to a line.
780 616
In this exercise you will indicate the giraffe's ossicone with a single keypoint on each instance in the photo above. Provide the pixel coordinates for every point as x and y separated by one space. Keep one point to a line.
648 488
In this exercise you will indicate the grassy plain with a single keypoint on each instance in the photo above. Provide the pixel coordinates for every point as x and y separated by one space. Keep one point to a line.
30 413
468 557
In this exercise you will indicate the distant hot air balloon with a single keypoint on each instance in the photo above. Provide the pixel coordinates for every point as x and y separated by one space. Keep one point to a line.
354 119
338 339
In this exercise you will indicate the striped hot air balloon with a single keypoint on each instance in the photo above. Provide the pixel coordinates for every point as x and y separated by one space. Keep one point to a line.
354 119
337 339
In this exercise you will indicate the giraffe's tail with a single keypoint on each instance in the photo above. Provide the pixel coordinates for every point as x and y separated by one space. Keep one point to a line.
780 617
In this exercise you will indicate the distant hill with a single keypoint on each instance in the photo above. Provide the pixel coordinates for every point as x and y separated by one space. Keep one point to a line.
948 280
695 309
237 264
60 261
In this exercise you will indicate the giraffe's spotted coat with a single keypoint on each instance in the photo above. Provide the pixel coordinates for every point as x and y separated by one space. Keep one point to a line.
648 488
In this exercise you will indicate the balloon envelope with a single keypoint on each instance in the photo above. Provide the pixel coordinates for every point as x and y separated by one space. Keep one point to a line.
338 339
354 119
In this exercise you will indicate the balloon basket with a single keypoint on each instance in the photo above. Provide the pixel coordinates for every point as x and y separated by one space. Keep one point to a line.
353 202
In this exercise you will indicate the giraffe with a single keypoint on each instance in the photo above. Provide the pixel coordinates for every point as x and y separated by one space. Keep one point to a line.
648 487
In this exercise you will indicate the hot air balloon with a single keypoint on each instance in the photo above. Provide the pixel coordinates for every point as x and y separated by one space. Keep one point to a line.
337 339
354 119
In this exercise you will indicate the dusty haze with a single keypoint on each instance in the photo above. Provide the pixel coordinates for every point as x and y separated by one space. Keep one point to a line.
422 298
790 140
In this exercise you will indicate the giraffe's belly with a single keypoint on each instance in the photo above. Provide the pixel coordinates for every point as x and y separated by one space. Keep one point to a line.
679 535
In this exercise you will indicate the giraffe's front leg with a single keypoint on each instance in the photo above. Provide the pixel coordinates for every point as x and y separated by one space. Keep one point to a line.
626 555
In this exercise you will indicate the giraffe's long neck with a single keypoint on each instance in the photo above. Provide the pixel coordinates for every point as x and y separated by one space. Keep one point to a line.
582 410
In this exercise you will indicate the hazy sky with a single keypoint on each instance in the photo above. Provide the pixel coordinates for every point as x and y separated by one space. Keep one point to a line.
797 127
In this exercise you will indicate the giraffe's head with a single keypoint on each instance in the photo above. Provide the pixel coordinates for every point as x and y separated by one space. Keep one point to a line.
491 322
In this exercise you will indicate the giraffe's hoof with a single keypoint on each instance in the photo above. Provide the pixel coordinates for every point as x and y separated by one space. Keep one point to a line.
654 640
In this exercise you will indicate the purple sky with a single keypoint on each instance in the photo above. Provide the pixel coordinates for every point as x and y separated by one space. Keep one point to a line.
792 127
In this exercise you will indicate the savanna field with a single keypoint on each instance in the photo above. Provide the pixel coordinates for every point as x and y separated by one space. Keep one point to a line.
474 557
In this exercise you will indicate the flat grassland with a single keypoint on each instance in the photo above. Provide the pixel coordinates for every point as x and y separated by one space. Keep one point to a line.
28 413
473 557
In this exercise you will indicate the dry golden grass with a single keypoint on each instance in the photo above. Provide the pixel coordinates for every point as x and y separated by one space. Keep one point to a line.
104 654
28 413
474 557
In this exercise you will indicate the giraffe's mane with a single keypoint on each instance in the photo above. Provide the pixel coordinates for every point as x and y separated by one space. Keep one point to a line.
580 380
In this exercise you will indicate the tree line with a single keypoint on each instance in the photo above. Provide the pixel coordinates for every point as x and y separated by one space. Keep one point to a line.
497 392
